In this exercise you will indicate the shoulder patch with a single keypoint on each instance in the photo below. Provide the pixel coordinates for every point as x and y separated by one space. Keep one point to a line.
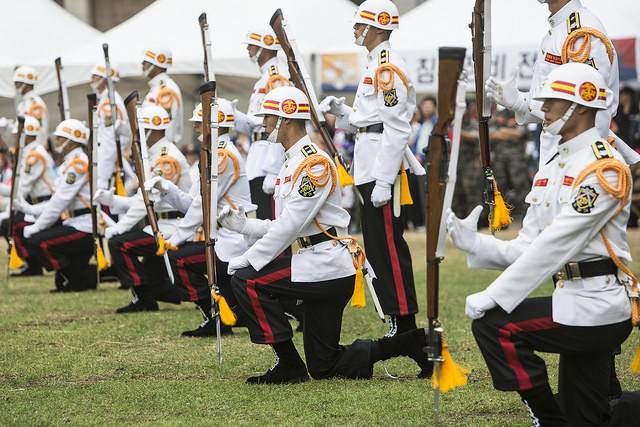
390 98
553 59
71 178
585 199
273 70
383 57
573 22
307 188
602 150
308 150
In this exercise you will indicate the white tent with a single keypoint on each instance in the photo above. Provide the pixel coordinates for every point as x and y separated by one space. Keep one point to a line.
317 24
31 32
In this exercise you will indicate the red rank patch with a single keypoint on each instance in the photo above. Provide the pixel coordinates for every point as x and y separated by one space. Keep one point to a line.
568 181
287 179
541 182
553 59
368 81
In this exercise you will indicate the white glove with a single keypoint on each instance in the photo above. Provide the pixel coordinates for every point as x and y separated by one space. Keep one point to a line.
333 105
463 232
104 197
232 219
237 263
163 185
478 304
30 230
109 232
381 194
506 93
269 184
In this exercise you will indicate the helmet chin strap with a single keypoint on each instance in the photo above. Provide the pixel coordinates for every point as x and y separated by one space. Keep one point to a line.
273 136
255 57
361 37
554 128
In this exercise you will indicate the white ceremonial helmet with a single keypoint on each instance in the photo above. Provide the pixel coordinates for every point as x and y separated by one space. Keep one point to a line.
197 114
73 130
578 83
381 14
31 126
101 71
287 102
159 57
26 75
226 113
154 117
264 38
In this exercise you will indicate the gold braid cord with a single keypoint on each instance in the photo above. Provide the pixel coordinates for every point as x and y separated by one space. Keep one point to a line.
379 82
35 157
621 192
166 97
170 168
581 54
223 156
277 80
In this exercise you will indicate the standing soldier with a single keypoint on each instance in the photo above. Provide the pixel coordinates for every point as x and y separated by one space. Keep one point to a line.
384 105
264 159
129 244
574 231
30 104
61 235
163 91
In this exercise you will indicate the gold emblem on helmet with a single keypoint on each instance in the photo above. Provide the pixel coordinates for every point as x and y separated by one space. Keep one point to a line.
289 106
384 18
588 91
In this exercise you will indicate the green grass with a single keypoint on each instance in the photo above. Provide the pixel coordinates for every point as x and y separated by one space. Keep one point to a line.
68 359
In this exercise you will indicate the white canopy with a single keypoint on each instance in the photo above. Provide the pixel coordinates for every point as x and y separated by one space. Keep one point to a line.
31 32
319 25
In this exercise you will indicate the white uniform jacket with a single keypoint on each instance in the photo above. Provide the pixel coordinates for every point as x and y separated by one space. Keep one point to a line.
107 151
163 91
379 156
562 225
233 187
297 205
32 105
71 194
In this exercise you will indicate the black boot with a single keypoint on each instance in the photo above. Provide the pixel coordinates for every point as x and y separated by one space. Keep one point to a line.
543 408
109 275
288 367
401 324
208 326
32 268
140 302
410 344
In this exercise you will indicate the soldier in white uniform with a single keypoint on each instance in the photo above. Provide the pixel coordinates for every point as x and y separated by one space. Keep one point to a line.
128 243
187 254
322 274
572 27
574 231
61 235
107 150
29 103
163 91
381 115
264 159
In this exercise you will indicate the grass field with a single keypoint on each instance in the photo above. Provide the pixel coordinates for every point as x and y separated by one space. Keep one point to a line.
69 359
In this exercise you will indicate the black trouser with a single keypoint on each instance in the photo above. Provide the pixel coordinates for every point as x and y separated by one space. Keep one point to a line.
67 251
263 200
258 294
389 255
508 343
126 249
17 234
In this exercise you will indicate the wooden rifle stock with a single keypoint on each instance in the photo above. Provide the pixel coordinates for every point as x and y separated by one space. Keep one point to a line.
207 93
114 115
14 176
91 105
63 101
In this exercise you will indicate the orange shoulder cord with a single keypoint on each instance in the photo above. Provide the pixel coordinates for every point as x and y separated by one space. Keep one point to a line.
169 167
277 80
223 156
37 111
321 180
35 157
387 84
166 97
581 54
105 109
81 167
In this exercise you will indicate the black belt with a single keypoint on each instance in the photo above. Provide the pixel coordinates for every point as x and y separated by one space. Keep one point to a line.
78 212
586 269
163 215
41 199
307 241
260 136
377 128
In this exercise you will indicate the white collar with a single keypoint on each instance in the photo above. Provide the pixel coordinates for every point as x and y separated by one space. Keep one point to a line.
156 80
264 68
305 140
73 153
373 55
563 14
578 143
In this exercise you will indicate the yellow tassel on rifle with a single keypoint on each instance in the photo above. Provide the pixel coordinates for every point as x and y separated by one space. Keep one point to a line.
15 262
227 316
101 259
357 299
452 375
343 176
405 194
162 245
501 215
635 363
120 186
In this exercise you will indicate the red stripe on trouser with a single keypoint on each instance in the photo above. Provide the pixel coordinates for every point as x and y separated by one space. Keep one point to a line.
255 301
44 245
508 347
184 274
127 259
18 240
273 207
395 262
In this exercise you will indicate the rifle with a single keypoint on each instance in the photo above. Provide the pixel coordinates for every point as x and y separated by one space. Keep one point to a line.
15 262
209 75
137 152
301 79
451 61
63 95
114 118
481 40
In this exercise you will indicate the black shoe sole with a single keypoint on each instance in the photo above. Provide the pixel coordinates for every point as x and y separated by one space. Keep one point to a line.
295 380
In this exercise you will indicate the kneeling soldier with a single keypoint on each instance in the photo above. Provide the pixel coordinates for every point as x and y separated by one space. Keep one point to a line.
574 231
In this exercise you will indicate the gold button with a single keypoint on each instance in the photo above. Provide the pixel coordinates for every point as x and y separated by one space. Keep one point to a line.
535 199
547 204
561 164
560 284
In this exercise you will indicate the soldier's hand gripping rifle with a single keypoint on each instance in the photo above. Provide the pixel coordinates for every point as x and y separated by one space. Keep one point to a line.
114 119
137 151
63 94
446 375
301 79
481 40
15 262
